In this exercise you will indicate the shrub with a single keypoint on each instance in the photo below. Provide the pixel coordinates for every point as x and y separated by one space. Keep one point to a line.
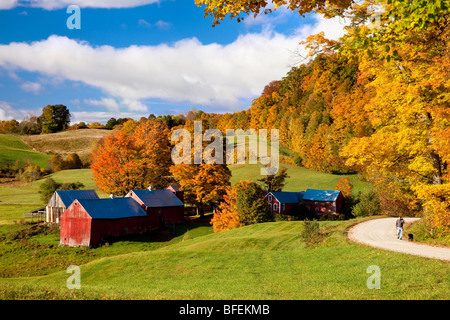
368 204
311 232
49 186
73 161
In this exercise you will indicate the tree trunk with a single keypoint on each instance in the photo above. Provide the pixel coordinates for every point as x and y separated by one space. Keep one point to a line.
436 161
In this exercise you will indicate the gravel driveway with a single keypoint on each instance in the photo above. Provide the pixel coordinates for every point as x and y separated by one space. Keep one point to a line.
382 234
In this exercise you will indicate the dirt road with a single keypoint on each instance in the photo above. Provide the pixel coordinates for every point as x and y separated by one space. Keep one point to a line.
382 234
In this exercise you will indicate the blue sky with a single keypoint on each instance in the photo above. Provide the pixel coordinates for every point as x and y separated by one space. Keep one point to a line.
135 57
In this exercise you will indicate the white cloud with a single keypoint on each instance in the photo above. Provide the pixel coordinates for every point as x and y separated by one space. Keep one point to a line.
33 87
162 25
102 116
8 112
144 23
8 4
187 71
59 4
108 103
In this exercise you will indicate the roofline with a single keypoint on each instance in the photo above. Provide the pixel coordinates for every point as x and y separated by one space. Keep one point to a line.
78 200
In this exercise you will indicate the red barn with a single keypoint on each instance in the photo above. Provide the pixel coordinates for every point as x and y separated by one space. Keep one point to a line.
283 202
176 188
162 205
87 221
323 201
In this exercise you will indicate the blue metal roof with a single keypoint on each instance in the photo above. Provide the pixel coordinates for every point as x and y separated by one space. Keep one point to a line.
68 196
321 195
158 198
287 197
112 208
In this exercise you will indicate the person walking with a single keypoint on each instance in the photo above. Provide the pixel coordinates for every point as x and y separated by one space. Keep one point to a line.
399 224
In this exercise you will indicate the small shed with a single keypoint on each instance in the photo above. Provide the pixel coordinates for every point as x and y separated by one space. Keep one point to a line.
161 205
177 190
62 199
323 201
87 221
283 202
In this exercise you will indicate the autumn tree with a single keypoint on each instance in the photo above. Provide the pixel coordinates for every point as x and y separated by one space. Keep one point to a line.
57 163
344 185
226 216
73 161
204 182
243 204
135 157
405 62
219 9
204 185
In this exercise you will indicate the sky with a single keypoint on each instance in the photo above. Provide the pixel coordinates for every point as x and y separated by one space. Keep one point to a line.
132 58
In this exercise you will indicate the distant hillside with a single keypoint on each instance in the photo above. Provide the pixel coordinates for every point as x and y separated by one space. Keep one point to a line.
12 148
64 143
299 179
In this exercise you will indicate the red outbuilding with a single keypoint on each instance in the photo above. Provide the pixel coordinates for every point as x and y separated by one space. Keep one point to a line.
176 189
87 221
162 205
323 201
283 202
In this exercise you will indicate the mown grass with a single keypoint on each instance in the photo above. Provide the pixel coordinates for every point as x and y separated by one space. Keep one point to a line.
299 179
264 261
66 142
33 249
18 198
13 148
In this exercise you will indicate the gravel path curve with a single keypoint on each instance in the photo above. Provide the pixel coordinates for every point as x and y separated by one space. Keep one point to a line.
382 234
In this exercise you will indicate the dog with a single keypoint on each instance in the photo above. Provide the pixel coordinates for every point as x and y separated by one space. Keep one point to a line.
410 237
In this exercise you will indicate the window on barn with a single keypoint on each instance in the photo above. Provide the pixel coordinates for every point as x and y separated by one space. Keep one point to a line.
317 209
275 207
269 197
270 206
283 207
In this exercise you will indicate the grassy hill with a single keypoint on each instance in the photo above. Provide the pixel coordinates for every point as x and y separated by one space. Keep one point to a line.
263 261
19 197
13 148
299 179
66 142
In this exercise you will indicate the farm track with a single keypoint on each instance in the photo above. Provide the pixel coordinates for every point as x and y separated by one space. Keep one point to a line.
382 234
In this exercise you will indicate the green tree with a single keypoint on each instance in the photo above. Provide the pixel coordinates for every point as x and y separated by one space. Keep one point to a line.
275 181
54 118
250 203
47 188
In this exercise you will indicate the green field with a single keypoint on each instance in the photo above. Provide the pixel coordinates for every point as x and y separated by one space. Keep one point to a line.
299 179
18 198
263 261
12 148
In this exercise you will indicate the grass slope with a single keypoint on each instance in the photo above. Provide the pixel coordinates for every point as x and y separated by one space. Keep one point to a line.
66 142
19 197
13 148
264 261
299 179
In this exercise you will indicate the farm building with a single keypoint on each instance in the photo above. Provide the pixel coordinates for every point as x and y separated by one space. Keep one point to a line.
323 201
62 199
319 202
162 205
283 202
87 221
176 189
